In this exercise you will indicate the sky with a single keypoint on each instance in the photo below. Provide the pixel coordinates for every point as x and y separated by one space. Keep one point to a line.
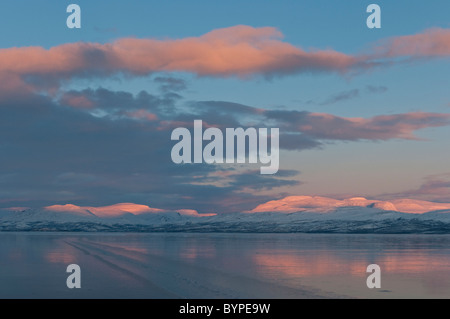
86 114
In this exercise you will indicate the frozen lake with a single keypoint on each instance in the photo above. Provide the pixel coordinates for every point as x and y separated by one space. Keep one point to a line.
193 265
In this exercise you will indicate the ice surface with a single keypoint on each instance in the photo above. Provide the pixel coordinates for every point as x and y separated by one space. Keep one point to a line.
186 265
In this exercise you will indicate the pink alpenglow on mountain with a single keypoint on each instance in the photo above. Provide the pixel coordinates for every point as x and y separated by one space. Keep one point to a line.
193 212
117 210
292 204
105 211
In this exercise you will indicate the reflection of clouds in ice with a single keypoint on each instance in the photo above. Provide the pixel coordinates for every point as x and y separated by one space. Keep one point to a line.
191 253
405 273
192 250
60 257
319 263
237 265
416 262
326 263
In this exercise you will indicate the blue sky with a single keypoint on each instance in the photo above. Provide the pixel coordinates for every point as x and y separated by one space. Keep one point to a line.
337 24
387 167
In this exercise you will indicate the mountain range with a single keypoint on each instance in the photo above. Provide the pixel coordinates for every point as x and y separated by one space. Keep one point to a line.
309 214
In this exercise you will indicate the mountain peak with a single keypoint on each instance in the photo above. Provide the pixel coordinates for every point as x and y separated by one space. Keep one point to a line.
293 204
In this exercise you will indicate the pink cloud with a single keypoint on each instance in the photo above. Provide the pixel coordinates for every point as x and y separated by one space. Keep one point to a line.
430 43
142 114
240 51
235 51
76 100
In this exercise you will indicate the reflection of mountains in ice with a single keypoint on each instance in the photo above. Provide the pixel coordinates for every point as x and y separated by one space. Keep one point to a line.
290 214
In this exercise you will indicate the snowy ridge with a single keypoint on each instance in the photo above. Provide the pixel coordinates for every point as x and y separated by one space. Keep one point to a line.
292 204
356 218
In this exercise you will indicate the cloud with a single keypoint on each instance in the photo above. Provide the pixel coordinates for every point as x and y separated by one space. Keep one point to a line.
235 51
239 51
115 150
341 96
298 129
431 43
349 95
325 126
170 84
375 89
298 141
255 181
58 150
142 114
99 146
434 187
76 99
303 129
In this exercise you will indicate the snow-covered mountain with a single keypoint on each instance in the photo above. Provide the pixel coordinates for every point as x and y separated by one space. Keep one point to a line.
290 214
324 204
